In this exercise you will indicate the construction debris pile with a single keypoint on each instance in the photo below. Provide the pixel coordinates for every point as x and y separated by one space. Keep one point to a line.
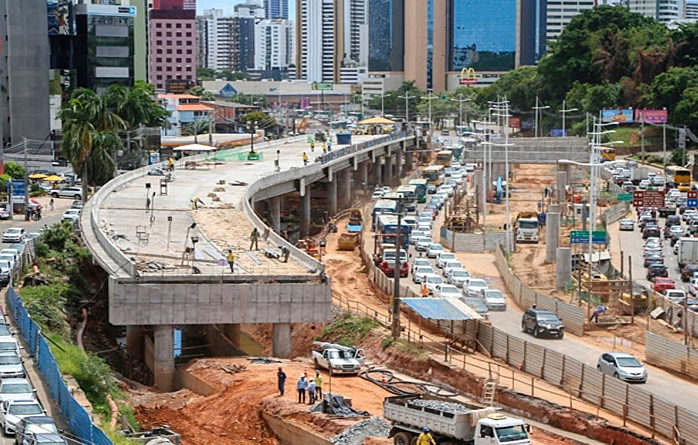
337 407
449 407
373 427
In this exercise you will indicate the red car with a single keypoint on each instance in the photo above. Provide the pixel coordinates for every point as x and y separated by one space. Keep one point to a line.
388 267
661 284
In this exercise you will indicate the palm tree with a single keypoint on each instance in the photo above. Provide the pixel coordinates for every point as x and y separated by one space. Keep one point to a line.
90 136
196 128
136 105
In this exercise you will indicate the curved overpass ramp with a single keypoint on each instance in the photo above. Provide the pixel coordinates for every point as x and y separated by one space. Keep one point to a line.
166 260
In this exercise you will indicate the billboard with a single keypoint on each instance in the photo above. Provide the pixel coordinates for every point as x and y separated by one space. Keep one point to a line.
620 115
322 86
651 116
515 122
467 76
59 17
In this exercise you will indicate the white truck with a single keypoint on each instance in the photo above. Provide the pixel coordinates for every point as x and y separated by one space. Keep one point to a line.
338 359
688 251
638 174
527 227
451 422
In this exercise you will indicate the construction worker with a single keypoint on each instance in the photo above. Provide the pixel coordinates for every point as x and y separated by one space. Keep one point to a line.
425 290
324 147
425 438
312 146
305 158
170 163
231 260
254 238
318 384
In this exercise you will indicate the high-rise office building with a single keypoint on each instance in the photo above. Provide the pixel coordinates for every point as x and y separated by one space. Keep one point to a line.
560 13
386 31
664 11
228 41
330 34
172 56
531 31
24 70
251 9
276 9
692 9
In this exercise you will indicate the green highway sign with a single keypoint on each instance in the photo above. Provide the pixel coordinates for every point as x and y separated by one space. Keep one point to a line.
625 196
322 86
582 237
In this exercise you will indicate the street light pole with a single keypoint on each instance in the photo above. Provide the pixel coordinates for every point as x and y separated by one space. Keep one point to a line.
430 97
407 98
564 112
460 101
395 327
538 109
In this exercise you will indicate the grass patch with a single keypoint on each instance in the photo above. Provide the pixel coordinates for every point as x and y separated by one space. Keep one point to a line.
348 329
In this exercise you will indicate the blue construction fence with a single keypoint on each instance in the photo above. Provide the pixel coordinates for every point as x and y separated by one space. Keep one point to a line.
80 423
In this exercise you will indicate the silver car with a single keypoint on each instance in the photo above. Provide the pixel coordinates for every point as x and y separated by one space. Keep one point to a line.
12 411
622 366
626 224
494 299
10 365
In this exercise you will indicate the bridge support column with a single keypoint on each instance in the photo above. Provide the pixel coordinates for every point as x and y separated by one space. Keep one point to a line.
377 177
388 174
345 183
305 213
552 233
281 340
398 164
232 331
332 196
134 342
408 160
163 357
563 267
363 175
275 213
561 184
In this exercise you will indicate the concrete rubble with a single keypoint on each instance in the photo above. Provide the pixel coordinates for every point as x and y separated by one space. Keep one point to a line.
373 427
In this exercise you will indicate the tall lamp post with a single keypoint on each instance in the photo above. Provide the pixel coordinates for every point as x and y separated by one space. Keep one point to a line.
538 111
395 327
564 112
503 111
430 97
460 101
252 128
407 98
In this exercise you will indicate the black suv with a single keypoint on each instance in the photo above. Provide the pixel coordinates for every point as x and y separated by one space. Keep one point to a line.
540 322
656 270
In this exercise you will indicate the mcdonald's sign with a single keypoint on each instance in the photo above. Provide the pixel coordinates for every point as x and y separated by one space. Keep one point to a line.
467 76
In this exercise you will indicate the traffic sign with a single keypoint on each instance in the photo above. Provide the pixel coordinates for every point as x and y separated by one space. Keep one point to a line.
321 86
582 237
625 196
692 199
648 198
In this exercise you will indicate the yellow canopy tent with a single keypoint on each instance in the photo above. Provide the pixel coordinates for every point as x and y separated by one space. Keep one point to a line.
376 120
54 178
37 176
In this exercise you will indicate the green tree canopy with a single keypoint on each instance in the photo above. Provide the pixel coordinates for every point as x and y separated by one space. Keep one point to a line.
201 92
14 169
259 118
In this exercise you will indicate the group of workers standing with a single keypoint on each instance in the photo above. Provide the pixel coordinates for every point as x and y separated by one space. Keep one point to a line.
310 385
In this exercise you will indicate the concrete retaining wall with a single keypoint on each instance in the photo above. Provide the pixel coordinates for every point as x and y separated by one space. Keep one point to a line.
290 434
472 242
195 384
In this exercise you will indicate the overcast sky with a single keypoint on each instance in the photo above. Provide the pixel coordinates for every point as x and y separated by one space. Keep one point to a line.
227 5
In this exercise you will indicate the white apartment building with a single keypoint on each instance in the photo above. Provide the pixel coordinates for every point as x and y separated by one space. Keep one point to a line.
273 44
560 13
331 34
251 9
692 9
664 11
220 40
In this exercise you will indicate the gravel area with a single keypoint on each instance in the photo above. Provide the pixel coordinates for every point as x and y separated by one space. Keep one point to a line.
373 427
449 407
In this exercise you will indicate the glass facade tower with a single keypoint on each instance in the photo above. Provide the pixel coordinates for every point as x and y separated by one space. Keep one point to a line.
482 35
386 46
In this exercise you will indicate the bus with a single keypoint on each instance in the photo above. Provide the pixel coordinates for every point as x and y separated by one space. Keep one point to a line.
407 206
421 189
444 158
408 192
387 225
608 154
433 174
383 206
680 176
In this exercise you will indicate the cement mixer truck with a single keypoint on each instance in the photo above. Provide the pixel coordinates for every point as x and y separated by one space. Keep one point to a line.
527 227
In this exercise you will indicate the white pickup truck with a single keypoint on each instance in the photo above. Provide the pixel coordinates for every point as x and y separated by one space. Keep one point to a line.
338 359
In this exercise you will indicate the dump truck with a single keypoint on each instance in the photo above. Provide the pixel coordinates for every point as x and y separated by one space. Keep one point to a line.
348 241
451 422
355 221
338 359
527 227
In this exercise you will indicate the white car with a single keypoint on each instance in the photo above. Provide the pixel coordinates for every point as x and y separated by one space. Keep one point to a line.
450 265
71 215
10 365
420 262
423 244
415 234
421 272
458 277
494 299
443 257
676 296
476 286
424 227
434 250
378 194
5 271
426 215
14 235
12 411
622 366
68 192
644 184
447 291
8 258
9 344
16 389
626 224
693 287
433 280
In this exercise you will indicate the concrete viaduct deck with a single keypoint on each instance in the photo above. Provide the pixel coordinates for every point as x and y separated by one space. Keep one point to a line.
546 150
155 285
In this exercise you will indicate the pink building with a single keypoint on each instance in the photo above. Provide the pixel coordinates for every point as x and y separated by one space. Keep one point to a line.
172 52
